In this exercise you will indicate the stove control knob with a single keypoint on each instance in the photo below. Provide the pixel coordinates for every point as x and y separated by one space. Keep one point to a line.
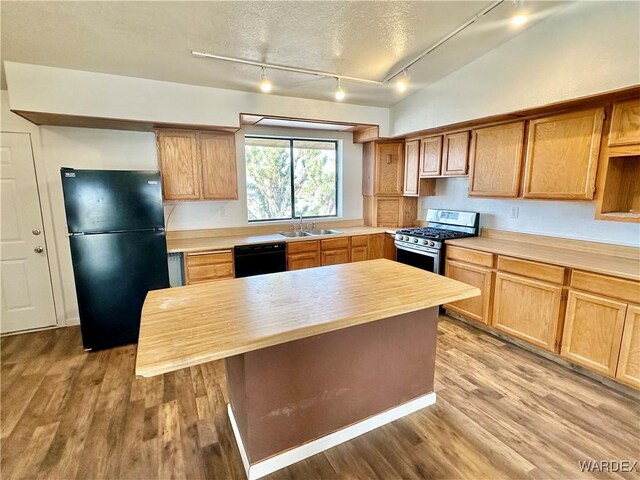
406 239
431 243
425 242
415 240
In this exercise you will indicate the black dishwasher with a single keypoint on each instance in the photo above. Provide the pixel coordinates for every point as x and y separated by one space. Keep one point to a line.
260 258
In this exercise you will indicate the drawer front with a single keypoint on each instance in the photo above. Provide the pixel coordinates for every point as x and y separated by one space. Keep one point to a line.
203 273
335 243
334 257
359 254
608 286
301 247
300 261
476 257
213 257
539 271
359 241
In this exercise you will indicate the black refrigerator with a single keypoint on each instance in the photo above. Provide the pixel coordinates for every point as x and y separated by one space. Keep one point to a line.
118 248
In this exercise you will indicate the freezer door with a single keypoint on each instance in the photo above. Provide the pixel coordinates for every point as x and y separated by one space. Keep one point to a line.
112 200
113 273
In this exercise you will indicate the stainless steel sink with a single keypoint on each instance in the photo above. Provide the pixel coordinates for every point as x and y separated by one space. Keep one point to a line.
294 234
323 231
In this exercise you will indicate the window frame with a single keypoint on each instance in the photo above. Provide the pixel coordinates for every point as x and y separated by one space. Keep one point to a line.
292 176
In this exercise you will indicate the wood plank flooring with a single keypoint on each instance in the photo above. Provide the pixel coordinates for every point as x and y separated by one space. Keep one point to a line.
501 413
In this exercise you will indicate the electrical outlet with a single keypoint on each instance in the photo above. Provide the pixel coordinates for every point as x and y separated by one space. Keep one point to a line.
515 211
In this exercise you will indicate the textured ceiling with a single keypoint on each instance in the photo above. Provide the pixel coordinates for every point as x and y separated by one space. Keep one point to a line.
357 38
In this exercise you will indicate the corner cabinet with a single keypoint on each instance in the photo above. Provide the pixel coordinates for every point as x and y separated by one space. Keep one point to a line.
495 160
562 155
197 165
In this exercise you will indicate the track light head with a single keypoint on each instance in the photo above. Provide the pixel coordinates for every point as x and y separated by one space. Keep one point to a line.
265 83
339 91
402 82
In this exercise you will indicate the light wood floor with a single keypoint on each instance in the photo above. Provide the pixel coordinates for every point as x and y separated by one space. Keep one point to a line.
501 413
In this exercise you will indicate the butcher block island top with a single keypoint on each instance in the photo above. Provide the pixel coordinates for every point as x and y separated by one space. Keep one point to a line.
187 326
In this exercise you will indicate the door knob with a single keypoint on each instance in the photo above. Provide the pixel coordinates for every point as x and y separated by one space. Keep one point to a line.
36 231
38 249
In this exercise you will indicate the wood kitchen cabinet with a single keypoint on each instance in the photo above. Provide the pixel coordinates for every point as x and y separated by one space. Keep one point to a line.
495 160
377 246
390 251
197 165
628 370
476 308
593 331
430 156
334 251
207 266
455 154
411 167
303 255
625 124
527 309
382 211
383 168
359 248
562 155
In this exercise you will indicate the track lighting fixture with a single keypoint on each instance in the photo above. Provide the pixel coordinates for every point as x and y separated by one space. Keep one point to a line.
402 82
339 91
520 18
265 84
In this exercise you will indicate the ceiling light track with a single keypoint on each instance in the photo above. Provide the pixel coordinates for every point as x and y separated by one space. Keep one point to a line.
273 66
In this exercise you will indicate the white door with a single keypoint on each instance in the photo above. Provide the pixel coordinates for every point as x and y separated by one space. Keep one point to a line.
27 298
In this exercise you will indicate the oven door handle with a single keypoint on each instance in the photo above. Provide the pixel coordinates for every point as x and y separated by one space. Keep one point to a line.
418 251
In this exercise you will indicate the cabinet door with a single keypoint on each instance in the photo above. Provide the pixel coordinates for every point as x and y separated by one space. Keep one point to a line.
376 246
298 261
219 177
359 254
206 266
527 309
179 161
333 257
455 156
389 247
389 174
476 308
388 211
411 165
430 156
593 332
628 370
495 160
562 155
625 123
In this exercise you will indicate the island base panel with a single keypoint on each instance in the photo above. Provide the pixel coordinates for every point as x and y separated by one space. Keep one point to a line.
297 392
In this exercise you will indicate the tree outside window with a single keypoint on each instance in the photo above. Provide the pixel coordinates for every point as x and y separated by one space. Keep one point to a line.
287 178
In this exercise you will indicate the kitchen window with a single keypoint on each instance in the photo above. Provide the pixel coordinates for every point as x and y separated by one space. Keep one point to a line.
289 177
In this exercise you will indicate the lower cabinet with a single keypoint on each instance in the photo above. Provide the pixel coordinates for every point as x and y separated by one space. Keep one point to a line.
528 309
376 246
593 331
390 251
628 370
207 266
359 254
303 255
334 251
476 308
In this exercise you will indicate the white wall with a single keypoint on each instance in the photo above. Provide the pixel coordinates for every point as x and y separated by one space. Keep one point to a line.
72 92
587 48
233 213
558 218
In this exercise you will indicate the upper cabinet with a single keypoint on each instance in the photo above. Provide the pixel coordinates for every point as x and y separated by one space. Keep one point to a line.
430 156
625 124
383 168
197 165
411 166
455 156
495 160
180 164
562 155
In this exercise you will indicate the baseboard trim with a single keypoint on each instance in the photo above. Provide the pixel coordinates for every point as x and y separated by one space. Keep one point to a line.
296 454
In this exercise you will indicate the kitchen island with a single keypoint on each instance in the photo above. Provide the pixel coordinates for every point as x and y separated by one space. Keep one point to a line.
313 357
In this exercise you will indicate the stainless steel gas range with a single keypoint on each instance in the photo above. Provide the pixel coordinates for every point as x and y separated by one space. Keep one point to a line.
424 247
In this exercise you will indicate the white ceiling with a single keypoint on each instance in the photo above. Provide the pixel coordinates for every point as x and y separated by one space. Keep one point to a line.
364 39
